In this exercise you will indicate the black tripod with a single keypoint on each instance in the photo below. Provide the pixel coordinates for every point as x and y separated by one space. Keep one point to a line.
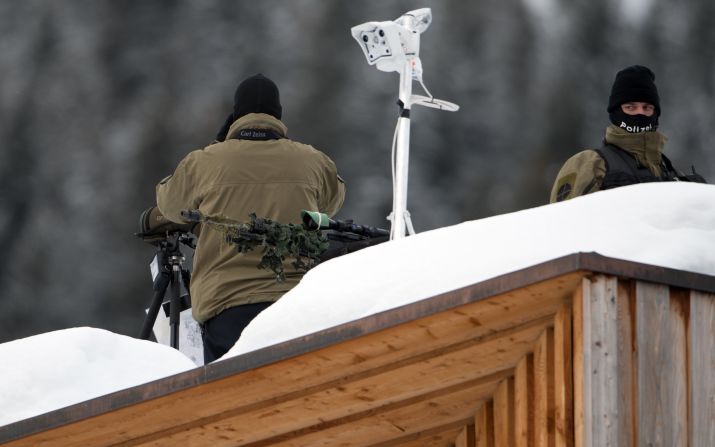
173 277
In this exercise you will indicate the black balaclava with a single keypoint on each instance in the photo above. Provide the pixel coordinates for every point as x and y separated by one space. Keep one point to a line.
634 84
256 94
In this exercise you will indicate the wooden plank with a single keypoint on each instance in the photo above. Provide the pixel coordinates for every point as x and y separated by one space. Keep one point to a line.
607 366
473 359
336 403
702 369
443 438
524 402
544 429
627 370
563 377
390 427
504 426
580 294
600 362
598 264
445 432
466 437
471 435
461 439
395 419
484 425
662 365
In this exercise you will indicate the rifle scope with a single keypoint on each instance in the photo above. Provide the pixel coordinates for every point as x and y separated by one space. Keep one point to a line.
314 220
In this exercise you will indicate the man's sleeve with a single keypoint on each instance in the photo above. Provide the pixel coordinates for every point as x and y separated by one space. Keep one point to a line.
179 191
580 175
333 191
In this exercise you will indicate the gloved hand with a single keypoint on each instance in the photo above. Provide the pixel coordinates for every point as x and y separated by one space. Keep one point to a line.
153 226
221 135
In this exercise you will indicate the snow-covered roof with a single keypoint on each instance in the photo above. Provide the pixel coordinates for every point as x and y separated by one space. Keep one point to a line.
670 225
57 369
666 224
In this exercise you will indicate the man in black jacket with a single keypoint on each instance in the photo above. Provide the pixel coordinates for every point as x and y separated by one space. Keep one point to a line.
633 147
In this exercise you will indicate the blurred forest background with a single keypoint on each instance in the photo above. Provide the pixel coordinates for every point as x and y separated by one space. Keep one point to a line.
100 99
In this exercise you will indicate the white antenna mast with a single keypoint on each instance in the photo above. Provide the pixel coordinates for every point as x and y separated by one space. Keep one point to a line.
395 46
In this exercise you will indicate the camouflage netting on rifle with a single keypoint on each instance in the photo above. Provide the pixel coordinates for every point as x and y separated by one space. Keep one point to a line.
279 241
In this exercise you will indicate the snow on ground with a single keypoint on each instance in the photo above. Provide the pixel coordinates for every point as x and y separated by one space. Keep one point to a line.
672 225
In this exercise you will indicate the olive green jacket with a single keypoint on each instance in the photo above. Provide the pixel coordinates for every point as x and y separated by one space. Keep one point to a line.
583 173
275 179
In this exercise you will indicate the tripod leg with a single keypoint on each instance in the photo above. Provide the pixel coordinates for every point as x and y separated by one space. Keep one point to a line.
175 306
154 307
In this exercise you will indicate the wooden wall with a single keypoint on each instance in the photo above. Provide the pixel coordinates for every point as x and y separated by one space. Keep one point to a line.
581 351
626 363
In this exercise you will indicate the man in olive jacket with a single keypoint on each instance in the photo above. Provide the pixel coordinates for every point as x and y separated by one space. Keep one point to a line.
252 168
633 148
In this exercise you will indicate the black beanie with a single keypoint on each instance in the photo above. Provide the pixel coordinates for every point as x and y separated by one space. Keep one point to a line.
257 94
634 84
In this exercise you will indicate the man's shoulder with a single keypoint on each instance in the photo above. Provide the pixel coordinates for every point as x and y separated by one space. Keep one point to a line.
191 158
299 145
584 159
585 155
308 150
579 175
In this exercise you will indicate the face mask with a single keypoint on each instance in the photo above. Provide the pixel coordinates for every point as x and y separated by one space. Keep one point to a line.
634 123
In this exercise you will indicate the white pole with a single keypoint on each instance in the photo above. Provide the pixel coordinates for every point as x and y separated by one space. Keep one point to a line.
402 155
395 46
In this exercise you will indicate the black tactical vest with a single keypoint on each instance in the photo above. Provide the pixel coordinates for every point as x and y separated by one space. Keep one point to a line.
624 169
